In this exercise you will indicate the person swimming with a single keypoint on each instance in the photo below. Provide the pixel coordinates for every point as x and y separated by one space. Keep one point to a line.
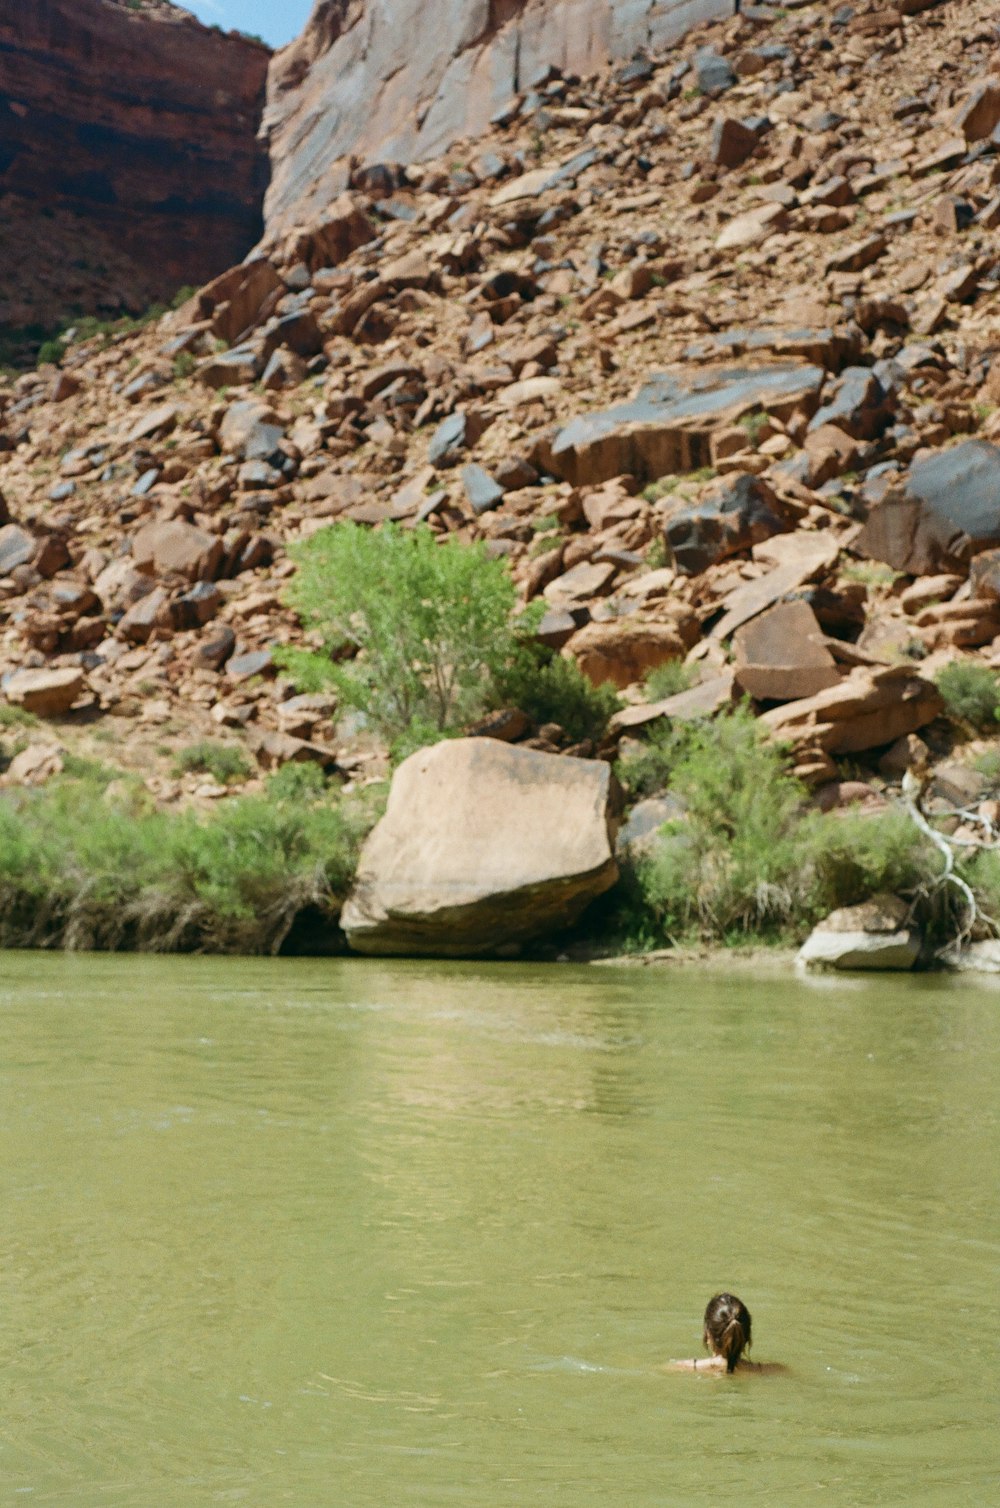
727 1334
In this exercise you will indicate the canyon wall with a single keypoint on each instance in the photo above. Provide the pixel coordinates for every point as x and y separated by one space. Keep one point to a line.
403 79
129 159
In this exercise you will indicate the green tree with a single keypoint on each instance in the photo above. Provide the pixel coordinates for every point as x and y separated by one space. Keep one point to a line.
415 630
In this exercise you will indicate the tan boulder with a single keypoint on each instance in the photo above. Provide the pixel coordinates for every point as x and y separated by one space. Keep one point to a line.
875 935
704 700
47 693
35 765
175 548
483 846
625 650
780 655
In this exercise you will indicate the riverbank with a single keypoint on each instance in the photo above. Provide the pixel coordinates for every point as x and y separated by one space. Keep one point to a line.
721 855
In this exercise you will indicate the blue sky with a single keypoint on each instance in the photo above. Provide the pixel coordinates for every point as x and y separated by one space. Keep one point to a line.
277 21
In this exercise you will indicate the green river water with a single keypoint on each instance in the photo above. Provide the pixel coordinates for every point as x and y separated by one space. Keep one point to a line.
348 1234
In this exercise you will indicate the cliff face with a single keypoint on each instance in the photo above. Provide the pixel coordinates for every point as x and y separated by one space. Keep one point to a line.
400 80
129 163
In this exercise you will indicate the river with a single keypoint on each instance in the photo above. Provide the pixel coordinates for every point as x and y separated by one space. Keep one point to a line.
352 1234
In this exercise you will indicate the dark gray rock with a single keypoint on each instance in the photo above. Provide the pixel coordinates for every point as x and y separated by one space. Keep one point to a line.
946 511
713 73
257 662
216 648
17 547
481 490
448 441
296 332
744 511
861 406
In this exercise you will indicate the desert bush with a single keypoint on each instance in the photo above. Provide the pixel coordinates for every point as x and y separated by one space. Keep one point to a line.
971 692
750 855
552 688
421 635
734 862
668 679
224 762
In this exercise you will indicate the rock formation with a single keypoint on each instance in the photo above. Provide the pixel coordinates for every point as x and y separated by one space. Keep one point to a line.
482 847
128 160
400 81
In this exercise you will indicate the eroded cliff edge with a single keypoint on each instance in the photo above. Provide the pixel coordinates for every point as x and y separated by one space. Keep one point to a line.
400 80
129 159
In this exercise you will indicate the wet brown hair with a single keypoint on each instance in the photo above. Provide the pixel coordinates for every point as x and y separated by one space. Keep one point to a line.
727 1328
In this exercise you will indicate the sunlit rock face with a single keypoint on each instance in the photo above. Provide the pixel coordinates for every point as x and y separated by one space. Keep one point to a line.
403 79
129 163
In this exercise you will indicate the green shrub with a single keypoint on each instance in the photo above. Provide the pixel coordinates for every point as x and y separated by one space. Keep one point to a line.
50 352
733 863
749 855
551 688
971 692
987 764
415 631
668 679
851 857
13 716
224 762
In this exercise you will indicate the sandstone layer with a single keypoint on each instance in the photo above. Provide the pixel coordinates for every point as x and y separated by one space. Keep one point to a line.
400 81
128 160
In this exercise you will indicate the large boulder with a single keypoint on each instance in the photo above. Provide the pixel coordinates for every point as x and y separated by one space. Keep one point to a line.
175 548
46 693
667 428
874 935
482 846
946 511
624 650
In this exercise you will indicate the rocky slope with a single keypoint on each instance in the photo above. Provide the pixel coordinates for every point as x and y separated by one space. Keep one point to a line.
128 160
703 347
355 86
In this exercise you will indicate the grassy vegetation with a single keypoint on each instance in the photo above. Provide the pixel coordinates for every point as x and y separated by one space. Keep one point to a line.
79 870
971 693
224 762
669 679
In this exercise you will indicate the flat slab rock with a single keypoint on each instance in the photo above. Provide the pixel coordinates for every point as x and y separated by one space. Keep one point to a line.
666 428
874 935
869 708
482 847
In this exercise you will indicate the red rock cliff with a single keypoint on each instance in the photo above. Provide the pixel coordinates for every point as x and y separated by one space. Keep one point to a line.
402 79
128 156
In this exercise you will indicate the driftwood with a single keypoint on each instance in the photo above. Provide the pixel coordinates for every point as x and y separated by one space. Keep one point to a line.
912 795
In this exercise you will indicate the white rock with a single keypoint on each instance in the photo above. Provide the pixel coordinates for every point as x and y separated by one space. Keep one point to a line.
874 935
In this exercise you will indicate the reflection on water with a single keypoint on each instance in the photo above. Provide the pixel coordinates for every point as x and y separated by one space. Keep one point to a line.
365 1233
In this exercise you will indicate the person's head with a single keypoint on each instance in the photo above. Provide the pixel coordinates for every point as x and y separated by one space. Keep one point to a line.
727 1328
